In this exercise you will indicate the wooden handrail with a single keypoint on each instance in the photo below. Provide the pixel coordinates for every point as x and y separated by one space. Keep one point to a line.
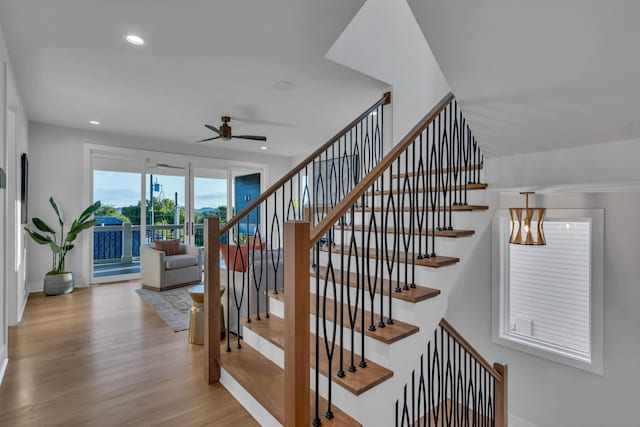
350 199
385 100
469 348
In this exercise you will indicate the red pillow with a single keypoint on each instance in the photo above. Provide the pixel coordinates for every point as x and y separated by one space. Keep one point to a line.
169 247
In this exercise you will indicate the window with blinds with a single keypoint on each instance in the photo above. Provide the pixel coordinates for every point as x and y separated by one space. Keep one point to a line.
548 293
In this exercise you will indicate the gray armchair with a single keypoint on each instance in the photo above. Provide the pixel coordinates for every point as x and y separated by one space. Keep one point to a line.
161 272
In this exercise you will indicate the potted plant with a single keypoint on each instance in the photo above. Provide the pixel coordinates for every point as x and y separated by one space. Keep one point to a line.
59 281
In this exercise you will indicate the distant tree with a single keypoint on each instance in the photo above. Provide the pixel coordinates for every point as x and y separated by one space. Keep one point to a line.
132 212
222 213
110 211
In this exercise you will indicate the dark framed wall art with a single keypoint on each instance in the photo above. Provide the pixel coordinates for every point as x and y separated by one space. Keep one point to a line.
24 187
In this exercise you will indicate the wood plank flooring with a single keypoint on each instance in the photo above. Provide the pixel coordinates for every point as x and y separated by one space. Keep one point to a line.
102 357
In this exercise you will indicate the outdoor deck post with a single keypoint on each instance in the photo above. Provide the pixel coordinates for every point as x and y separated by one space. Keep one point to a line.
127 243
502 406
212 300
297 333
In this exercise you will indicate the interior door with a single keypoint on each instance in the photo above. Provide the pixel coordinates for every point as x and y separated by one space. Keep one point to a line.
246 188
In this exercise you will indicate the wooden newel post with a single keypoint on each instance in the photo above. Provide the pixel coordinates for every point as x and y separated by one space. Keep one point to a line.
502 406
212 300
296 315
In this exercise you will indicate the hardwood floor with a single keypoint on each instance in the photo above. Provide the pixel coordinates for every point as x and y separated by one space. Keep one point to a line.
102 357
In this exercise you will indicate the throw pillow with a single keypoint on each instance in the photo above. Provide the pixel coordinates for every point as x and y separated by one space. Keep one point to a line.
169 247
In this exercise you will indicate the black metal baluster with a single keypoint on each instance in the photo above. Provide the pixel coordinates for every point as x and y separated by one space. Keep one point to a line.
228 268
353 310
372 284
400 214
245 265
382 247
316 418
329 345
413 397
429 407
365 259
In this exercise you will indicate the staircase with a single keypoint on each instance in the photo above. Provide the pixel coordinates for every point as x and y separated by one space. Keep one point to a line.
342 270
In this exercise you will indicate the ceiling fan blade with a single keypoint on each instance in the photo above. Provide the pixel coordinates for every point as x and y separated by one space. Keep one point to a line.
251 137
209 139
213 128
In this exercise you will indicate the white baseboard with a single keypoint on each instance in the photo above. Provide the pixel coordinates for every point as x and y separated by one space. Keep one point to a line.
23 305
519 422
35 287
4 361
256 410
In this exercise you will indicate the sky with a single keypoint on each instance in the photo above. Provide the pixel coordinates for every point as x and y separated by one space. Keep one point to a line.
120 189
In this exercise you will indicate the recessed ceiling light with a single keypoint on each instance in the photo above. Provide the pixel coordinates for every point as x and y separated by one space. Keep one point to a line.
134 40
263 147
284 85
94 122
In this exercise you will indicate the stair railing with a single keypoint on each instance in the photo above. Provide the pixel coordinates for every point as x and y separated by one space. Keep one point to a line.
251 242
455 386
410 194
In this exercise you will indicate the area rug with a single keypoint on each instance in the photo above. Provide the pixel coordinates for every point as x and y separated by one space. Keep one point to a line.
172 306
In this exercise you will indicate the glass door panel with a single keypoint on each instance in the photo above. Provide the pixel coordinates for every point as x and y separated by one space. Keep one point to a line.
165 207
116 236
209 199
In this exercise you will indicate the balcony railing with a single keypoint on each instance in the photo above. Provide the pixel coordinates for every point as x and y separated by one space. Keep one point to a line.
121 243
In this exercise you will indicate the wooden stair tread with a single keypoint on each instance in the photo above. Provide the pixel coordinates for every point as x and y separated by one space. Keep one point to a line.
444 170
272 329
433 262
438 233
469 187
454 208
414 295
388 335
264 381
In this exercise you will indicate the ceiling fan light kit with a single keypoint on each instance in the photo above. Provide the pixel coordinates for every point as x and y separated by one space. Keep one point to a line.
225 134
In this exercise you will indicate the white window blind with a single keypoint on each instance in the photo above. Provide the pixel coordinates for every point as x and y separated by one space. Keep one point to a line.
549 289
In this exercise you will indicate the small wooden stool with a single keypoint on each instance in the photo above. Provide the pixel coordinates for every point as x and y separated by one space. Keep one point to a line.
196 320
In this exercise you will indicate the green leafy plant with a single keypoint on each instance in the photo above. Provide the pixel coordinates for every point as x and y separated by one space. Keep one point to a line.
61 244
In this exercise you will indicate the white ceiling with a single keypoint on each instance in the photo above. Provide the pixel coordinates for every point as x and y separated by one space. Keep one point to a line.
539 75
203 59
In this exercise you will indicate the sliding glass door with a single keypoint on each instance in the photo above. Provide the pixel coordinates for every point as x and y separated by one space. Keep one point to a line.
144 201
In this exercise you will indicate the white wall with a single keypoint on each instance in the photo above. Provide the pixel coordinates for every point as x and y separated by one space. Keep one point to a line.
57 168
12 297
544 392
600 167
384 41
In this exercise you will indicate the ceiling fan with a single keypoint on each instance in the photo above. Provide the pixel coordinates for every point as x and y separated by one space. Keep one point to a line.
224 132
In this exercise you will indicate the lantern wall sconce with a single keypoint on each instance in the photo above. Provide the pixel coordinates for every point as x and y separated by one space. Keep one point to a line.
527 224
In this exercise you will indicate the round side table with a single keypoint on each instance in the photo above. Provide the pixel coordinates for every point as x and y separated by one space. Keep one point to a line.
196 320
